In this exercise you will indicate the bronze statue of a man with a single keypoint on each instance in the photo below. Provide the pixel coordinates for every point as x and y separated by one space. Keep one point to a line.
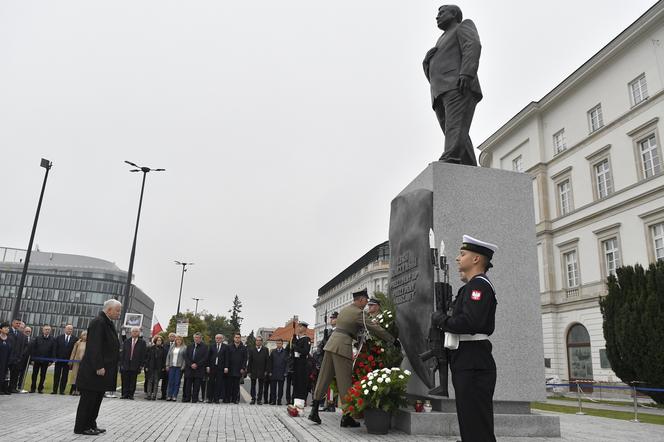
451 68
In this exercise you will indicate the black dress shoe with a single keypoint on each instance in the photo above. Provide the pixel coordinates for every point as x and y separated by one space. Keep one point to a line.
253 402
88 432
347 421
260 402
53 392
100 430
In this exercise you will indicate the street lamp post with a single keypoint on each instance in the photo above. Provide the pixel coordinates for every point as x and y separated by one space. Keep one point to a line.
184 269
197 299
46 164
127 299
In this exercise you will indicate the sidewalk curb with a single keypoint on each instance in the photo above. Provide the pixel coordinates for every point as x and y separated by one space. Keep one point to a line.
293 428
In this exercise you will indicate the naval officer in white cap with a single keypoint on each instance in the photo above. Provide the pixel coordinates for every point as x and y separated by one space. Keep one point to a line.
467 335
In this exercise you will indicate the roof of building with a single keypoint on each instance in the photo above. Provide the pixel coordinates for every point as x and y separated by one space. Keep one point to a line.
382 250
619 42
51 259
286 332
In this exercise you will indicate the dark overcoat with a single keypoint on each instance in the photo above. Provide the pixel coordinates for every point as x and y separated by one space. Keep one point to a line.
278 364
257 365
236 359
102 351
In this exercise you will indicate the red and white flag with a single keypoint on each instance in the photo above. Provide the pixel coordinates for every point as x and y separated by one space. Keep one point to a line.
156 326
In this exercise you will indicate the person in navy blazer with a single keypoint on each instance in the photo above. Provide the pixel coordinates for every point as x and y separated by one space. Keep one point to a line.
451 68
64 344
195 362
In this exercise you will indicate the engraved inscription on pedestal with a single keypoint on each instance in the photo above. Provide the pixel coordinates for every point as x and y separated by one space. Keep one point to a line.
402 282
411 275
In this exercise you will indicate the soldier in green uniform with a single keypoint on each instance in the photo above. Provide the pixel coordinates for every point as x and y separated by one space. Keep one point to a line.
338 358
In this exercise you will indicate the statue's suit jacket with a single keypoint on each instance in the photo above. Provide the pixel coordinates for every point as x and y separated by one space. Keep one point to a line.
457 53
350 321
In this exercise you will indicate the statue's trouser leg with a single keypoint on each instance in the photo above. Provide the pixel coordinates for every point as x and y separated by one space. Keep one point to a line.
455 114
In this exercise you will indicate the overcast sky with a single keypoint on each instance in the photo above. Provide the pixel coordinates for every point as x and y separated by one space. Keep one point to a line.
286 128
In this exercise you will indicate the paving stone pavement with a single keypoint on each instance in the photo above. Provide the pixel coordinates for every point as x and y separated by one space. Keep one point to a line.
32 417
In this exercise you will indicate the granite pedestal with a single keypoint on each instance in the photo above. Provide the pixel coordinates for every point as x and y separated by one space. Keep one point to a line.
495 206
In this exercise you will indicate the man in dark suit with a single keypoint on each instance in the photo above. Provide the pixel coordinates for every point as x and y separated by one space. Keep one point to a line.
43 351
215 370
451 68
63 347
236 363
277 368
25 358
195 360
164 374
257 369
134 351
98 371
19 345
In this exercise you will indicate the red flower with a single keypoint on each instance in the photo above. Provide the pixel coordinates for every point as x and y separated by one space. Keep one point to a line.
381 365
361 364
359 401
371 358
351 408
365 377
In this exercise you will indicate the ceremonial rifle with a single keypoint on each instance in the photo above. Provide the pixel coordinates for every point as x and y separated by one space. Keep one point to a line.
442 300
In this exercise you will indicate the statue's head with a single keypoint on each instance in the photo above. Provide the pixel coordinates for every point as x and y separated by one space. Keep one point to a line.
448 14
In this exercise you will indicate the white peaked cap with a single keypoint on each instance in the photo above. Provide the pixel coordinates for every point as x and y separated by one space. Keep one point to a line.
476 245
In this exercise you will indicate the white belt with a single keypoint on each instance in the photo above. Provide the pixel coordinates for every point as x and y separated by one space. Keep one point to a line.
452 339
475 337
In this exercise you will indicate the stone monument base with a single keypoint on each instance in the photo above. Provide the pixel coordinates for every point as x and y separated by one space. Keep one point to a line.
446 424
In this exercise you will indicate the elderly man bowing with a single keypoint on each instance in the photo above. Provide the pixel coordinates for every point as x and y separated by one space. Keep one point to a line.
98 371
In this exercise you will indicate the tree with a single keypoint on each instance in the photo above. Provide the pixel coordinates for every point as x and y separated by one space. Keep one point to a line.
251 340
236 319
218 324
195 325
633 314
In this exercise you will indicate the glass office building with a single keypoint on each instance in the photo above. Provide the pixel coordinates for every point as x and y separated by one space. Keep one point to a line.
65 289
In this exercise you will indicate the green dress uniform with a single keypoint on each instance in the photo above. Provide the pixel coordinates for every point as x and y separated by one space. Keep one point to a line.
338 358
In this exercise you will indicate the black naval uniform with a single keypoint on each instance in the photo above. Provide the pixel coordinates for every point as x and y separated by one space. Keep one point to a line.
301 345
472 365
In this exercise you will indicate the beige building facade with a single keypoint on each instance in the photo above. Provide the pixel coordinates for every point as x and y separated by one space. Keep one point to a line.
593 149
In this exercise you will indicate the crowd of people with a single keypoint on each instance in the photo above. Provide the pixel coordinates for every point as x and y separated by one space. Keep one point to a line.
212 373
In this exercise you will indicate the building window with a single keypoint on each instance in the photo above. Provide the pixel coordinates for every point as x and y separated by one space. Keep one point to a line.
595 120
565 197
517 164
559 143
603 182
603 359
571 269
650 161
638 89
611 255
547 362
657 233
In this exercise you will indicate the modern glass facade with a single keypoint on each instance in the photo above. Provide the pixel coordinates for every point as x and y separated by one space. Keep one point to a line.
65 289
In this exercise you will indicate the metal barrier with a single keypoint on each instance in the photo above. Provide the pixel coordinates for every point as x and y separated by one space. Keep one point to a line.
634 390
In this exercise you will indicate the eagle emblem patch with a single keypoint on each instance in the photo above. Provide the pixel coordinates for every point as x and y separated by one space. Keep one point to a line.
476 295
